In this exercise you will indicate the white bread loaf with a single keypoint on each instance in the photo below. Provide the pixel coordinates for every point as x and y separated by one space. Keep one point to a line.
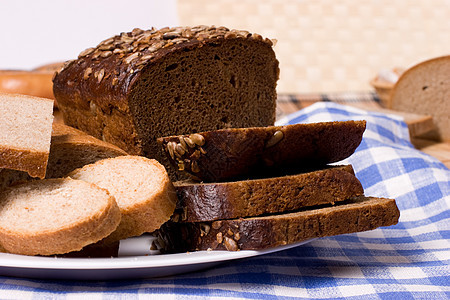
425 89
55 216
26 127
142 188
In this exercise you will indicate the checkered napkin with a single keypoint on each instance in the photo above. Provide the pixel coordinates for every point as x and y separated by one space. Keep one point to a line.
406 261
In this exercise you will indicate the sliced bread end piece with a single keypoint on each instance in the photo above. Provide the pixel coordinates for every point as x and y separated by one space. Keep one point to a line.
142 188
55 216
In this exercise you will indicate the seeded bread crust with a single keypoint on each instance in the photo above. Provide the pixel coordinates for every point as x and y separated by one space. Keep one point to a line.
425 89
79 230
137 86
228 153
355 215
228 200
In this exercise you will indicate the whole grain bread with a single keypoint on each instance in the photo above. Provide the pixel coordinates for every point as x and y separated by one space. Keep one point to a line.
26 126
55 216
354 215
141 187
247 198
223 154
138 86
425 89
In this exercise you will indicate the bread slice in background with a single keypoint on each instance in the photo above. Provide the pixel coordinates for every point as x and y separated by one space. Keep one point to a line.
220 155
55 216
142 188
354 215
199 202
26 127
425 89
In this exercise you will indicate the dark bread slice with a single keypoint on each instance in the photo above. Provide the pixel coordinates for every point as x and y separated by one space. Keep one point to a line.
140 85
223 154
227 200
354 215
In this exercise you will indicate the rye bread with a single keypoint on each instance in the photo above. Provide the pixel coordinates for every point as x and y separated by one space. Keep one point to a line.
246 198
25 131
354 215
137 86
228 153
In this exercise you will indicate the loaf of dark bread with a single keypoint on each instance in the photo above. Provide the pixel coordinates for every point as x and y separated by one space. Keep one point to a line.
247 198
223 154
355 215
140 85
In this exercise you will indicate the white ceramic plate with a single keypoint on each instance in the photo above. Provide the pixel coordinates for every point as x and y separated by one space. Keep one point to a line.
123 267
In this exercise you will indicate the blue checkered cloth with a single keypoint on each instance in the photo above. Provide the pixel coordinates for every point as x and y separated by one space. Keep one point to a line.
407 261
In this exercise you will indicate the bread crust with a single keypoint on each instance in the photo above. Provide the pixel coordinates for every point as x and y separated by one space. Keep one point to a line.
354 215
144 214
229 153
32 162
228 200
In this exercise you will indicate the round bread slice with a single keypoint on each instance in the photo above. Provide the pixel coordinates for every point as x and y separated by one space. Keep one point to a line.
142 188
425 89
55 216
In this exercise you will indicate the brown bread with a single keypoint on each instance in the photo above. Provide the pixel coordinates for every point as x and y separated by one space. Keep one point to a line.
138 86
354 215
223 154
227 200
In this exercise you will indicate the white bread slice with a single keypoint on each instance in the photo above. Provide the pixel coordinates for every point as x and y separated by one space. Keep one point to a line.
70 149
142 188
425 89
26 127
55 216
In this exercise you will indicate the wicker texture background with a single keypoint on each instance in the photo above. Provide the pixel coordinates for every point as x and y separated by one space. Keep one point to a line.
332 46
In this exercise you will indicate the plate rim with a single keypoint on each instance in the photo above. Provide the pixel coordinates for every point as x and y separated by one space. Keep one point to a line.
8 260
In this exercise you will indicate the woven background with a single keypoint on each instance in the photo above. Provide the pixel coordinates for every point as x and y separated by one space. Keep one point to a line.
332 46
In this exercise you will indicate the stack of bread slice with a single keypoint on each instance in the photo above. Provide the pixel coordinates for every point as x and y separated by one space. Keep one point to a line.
63 191
255 188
